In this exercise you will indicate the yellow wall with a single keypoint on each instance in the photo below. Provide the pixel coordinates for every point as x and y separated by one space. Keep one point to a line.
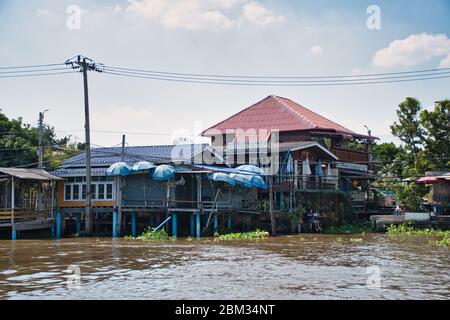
64 204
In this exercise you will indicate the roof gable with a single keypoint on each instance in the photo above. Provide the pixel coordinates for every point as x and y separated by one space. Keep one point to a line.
277 113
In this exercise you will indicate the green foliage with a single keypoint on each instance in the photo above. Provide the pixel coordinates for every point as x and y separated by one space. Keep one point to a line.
295 216
386 152
355 227
258 234
407 229
150 234
426 146
19 144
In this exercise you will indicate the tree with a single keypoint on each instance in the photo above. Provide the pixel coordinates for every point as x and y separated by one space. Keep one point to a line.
19 144
437 137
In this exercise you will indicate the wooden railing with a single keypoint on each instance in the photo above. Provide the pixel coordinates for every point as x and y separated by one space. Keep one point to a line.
351 155
22 215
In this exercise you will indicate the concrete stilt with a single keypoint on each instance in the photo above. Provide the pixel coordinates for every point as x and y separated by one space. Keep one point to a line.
58 224
174 225
199 226
152 220
78 222
134 224
192 221
114 223
229 221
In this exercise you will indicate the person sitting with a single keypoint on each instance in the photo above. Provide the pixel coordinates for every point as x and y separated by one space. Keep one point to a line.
309 217
317 226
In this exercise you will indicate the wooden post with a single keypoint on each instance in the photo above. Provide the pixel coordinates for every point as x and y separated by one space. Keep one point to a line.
229 220
272 215
199 226
13 206
216 223
134 224
78 222
174 225
152 220
114 223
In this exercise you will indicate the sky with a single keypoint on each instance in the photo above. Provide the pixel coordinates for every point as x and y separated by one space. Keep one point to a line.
232 37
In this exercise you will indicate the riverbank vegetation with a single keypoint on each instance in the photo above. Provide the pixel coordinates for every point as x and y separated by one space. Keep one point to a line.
443 236
258 234
150 235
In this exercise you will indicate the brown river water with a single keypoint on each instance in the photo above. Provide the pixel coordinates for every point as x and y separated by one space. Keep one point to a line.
373 266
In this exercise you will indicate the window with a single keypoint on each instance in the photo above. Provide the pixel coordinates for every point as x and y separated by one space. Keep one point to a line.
101 189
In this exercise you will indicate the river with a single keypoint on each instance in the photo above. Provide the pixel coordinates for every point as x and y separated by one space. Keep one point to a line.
372 266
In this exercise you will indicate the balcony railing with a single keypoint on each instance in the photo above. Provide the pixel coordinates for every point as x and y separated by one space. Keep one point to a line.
351 155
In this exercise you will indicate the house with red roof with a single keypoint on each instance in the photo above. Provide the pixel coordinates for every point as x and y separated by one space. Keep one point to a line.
313 152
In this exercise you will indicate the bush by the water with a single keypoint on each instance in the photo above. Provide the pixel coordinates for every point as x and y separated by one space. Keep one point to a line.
355 227
407 229
150 234
258 234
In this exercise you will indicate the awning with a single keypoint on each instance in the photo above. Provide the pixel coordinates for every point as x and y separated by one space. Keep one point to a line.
428 180
29 174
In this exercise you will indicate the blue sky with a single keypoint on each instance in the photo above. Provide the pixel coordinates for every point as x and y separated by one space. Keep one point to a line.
253 37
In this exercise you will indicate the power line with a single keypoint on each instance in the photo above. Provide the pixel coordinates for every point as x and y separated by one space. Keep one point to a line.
37 74
272 83
272 77
33 66
359 78
33 70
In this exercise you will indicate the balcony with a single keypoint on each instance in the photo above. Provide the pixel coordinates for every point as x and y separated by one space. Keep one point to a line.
351 155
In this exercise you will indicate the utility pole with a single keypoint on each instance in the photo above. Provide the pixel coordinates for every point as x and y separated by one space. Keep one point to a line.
272 215
84 65
41 139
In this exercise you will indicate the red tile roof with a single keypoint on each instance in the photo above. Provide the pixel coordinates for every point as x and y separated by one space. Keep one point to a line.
278 113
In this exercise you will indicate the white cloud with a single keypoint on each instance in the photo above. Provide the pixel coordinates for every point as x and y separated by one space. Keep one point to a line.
254 12
415 49
202 14
316 50
445 63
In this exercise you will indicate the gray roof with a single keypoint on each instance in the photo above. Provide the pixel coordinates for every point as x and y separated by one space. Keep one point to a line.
29 174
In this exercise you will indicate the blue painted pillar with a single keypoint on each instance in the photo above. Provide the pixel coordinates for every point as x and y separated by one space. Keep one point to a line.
58 224
216 223
281 200
199 225
174 225
192 225
152 221
134 224
78 223
229 221
114 223
13 233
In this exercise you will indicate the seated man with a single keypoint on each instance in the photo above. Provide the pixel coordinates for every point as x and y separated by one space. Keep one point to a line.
317 226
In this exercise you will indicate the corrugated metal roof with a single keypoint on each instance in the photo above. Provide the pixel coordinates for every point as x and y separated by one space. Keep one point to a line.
77 172
29 174
278 113
160 153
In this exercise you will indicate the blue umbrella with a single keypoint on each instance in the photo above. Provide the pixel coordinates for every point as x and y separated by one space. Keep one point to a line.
163 172
243 180
119 169
223 177
143 165
250 168
258 182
